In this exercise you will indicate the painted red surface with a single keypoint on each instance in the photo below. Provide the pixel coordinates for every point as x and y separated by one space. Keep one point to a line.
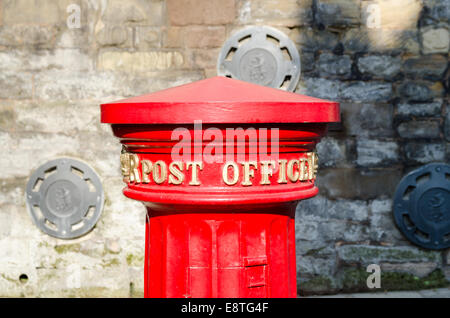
213 239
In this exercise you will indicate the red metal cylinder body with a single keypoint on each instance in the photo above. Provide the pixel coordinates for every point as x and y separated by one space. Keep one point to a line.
220 165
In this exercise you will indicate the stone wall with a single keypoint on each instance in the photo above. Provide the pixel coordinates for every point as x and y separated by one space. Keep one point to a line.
388 70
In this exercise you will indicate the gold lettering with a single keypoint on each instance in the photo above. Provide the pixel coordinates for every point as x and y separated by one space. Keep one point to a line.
235 173
125 166
134 172
248 172
312 165
194 179
147 166
176 169
293 176
162 176
303 172
282 173
266 172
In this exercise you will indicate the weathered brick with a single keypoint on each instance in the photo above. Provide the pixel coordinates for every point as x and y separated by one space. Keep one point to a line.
77 85
139 61
367 120
26 12
435 40
134 11
380 66
417 91
15 85
335 66
313 39
447 124
30 36
214 12
41 60
320 209
419 129
358 184
205 58
421 269
204 37
419 110
379 40
372 152
276 12
368 254
174 37
320 88
338 13
425 152
367 92
427 67
331 152
115 35
147 37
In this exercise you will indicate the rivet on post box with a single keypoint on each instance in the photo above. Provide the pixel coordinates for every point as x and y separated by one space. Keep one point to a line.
221 226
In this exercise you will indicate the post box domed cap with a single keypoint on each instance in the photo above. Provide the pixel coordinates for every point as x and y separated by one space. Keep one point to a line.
219 100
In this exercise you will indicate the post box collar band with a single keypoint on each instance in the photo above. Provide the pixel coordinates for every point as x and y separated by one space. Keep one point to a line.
220 100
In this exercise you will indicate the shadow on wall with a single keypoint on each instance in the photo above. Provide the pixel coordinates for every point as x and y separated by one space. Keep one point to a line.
386 62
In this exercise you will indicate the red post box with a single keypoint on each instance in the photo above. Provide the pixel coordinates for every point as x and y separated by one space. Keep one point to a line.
220 165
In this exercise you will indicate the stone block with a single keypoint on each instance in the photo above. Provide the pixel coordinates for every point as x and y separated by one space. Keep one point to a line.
367 92
213 12
276 12
435 40
312 40
134 11
14 85
139 62
418 91
320 88
379 40
321 209
417 269
430 67
419 129
331 152
369 254
349 183
380 66
30 36
26 12
78 85
425 152
419 110
204 37
205 58
174 37
371 152
447 124
148 37
367 120
340 13
115 35
335 66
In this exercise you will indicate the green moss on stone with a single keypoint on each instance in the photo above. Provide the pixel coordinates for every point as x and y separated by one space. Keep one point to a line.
135 260
317 284
355 279
111 262
60 249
